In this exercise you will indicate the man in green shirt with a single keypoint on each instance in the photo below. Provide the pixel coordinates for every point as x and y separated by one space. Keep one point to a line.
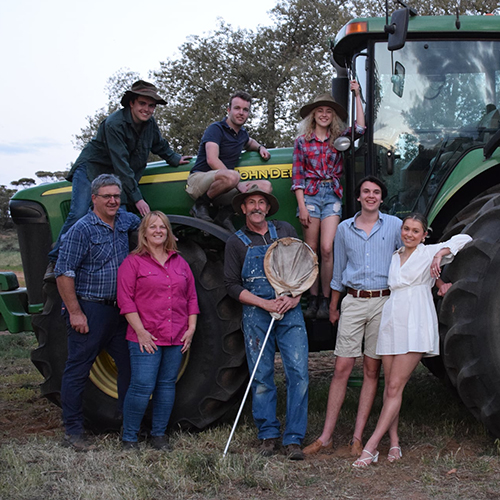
121 147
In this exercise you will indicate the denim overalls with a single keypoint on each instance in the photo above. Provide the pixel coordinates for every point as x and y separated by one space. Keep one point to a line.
290 335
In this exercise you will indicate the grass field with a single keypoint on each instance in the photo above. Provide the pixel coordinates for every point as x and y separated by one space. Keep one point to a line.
10 258
447 454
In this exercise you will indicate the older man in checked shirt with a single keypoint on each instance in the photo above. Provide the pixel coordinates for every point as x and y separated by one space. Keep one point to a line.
363 251
86 273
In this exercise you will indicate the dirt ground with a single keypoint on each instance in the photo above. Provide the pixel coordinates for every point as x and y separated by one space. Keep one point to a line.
36 416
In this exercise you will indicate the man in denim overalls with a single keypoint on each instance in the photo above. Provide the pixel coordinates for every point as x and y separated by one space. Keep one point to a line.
246 281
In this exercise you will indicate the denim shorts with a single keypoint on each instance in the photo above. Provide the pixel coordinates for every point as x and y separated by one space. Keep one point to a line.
323 204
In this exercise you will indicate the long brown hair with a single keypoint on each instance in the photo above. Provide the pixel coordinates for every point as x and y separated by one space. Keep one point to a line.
307 126
142 245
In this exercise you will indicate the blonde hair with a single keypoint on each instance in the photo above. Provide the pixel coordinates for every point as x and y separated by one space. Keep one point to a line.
307 126
142 245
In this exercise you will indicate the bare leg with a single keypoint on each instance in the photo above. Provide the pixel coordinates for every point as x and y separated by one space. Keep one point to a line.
371 372
328 230
225 180
393 429
336 396
311 237
400 371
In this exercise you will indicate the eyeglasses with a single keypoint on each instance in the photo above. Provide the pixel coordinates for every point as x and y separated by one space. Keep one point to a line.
108 197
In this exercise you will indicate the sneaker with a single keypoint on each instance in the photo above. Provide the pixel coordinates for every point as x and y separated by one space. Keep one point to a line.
268 447
78 442
312 307
130 445
324 308
160 443
293 452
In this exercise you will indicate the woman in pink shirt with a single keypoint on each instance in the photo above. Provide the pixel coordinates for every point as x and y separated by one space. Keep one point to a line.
157 296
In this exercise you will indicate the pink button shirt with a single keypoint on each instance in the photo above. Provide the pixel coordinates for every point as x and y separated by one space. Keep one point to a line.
163 296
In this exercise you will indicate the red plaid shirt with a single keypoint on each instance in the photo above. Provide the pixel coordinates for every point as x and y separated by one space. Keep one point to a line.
315 161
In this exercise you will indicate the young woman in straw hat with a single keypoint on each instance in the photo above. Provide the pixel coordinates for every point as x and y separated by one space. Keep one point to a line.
316 173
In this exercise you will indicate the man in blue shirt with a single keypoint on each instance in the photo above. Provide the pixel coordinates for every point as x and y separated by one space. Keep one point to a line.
363 251
86 272
121 147
213 178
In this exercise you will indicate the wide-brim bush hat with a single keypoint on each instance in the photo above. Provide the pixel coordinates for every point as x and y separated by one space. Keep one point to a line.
140 87
254 189
324 100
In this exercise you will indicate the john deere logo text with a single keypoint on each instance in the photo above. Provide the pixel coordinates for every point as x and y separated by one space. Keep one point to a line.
265 172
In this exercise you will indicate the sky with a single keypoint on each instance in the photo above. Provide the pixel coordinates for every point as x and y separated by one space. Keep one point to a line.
56 56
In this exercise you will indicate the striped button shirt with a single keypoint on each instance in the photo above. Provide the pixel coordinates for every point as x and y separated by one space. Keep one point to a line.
362 261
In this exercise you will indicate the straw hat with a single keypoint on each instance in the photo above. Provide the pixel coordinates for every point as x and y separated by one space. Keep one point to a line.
254 189
324 100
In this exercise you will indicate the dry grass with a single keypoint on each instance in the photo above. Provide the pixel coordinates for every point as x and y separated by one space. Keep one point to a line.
447 454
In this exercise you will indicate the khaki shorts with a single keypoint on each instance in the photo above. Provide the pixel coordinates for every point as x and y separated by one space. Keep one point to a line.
359 319
198 183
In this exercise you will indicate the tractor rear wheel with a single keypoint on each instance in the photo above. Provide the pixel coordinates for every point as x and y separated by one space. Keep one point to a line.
469 315
212 376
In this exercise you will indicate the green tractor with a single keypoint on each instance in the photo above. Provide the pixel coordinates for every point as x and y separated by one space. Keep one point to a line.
431 87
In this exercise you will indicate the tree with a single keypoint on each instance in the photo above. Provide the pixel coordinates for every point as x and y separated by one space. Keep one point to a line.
24 182
5 195
51 176
283 66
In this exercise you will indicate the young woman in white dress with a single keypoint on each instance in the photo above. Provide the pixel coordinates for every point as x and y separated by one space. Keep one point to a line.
409 325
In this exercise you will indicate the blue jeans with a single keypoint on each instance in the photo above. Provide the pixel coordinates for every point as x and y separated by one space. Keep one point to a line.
80 203
107 330
291 337
154 374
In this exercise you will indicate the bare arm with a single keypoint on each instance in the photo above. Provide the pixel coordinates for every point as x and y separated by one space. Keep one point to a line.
304 216
436 262
334 302
187 338
442 287
77 318
253 145
249 299
360 115
212 150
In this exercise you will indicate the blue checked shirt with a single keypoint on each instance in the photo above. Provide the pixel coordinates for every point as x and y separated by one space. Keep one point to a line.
92 251
362 261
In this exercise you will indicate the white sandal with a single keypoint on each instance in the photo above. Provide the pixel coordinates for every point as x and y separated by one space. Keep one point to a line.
361 463
394 456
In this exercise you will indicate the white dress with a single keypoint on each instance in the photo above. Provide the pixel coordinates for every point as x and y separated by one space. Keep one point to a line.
409 321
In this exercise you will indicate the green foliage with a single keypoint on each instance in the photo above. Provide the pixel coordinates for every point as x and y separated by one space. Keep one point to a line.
24 182
47 176
283 66
5 195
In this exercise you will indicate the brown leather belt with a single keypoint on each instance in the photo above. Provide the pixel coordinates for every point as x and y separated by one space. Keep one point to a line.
368 294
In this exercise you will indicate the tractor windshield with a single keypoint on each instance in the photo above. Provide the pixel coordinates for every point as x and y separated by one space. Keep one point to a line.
432 102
